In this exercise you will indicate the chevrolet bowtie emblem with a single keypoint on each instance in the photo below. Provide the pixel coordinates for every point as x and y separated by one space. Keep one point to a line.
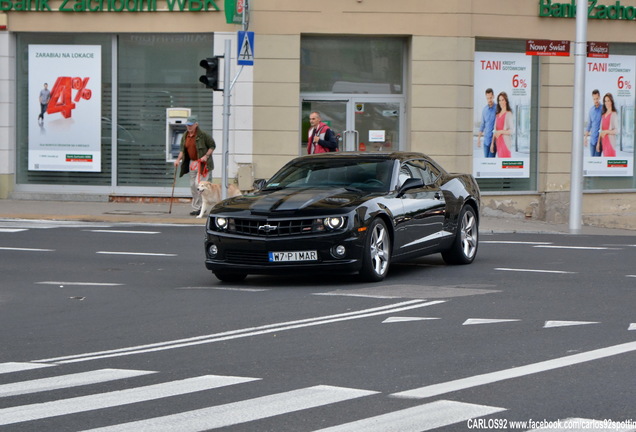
267 228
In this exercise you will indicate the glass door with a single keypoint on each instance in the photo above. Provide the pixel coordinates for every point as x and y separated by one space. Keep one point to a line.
363 123
377 125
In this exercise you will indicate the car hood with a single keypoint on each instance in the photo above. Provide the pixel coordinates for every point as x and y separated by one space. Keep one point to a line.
308 200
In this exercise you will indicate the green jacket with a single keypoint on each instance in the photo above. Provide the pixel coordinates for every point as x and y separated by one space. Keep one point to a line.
204 142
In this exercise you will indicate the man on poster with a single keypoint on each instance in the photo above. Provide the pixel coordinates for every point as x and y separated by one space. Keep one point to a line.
594 124
45 97
487 123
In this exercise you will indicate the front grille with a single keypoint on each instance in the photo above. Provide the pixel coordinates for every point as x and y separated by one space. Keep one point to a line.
264 228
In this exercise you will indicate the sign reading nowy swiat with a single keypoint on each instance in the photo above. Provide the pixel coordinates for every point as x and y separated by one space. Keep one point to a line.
65 107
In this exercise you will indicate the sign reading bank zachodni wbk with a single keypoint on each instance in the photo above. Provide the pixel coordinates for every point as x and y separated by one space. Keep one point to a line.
595 10
110 6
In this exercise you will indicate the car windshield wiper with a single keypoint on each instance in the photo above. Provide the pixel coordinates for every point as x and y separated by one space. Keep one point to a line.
273 188
353 189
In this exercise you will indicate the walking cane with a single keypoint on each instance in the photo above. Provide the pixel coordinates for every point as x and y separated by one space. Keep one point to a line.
174 180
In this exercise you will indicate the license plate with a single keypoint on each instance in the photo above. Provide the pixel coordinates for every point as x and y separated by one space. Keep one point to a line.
293 256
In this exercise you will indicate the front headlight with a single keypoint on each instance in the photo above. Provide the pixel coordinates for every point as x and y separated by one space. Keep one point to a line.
221 223
334 223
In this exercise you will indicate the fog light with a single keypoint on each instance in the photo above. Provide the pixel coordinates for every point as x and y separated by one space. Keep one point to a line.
213 250
338 251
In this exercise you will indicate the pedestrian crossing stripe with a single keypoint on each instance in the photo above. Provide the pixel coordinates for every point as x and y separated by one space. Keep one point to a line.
418 419
243 411
67 381
79 404
17 367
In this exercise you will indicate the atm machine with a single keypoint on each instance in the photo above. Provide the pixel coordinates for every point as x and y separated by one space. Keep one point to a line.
175 128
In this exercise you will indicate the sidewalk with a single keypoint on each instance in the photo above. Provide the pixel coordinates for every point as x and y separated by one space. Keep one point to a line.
160 213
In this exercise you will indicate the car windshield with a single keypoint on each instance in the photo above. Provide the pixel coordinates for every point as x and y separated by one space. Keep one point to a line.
353 174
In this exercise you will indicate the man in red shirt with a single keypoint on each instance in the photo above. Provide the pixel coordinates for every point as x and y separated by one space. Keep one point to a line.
196 152
321 138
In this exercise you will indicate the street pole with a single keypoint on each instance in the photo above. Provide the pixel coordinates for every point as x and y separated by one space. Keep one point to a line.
227 90
576 175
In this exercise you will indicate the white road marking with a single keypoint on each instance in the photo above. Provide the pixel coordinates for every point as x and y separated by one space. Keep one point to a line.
550 324
123 231
79 283
27 249
418 419
12 230
243 411
516 372
251 331
338 294
67 381
579 247
514 242
47 224
55 408
136 253
632 326
406 319
17 367
473 321
225 289
534 270
634 276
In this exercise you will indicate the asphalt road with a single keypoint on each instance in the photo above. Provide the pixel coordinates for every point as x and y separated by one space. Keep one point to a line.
120 327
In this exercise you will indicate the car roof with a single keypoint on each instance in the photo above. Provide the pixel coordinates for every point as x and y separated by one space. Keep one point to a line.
394 155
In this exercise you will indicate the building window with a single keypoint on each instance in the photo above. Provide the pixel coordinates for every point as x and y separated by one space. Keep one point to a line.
370 65
529 182
154 72
23 174
625 140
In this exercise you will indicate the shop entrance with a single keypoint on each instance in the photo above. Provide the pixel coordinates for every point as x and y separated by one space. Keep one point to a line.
364 123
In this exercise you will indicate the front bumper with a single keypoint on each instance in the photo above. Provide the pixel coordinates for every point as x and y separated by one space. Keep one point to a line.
250 255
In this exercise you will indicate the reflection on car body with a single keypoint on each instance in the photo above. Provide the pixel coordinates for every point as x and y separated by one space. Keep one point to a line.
346 212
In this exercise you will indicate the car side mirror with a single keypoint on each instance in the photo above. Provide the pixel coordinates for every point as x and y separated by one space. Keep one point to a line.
410 183
258 184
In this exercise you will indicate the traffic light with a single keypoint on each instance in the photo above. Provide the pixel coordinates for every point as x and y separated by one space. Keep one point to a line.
211 77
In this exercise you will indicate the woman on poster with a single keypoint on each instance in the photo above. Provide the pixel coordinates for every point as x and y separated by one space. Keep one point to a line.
609 128
504 126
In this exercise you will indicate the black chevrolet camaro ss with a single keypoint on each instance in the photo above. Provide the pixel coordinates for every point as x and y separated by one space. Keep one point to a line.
345 212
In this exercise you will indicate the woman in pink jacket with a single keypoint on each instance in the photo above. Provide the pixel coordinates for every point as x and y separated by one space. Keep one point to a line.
609 128
504 126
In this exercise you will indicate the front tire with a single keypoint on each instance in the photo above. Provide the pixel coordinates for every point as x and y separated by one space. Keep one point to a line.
225 276
376 253
464 247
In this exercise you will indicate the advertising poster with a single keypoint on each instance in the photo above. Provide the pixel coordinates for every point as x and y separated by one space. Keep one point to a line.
508 75
611 155
65 107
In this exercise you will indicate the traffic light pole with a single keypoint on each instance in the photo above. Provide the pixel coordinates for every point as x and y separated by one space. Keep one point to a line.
227 90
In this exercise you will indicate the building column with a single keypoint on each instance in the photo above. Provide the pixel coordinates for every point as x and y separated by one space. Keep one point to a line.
7 113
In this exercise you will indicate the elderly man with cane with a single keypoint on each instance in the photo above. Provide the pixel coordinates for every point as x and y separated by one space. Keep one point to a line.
196 153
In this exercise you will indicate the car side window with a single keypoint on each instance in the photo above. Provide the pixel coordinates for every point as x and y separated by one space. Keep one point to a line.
404 175
427 172
410 169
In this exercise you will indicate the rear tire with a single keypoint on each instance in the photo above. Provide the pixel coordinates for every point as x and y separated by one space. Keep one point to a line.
376 253
226 276
464 247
